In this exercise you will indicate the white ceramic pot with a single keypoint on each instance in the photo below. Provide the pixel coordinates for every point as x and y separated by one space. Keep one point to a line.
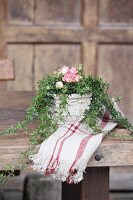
75 108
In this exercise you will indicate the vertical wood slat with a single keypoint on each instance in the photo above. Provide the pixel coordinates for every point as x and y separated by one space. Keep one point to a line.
89 57
90 13
3 9
95 185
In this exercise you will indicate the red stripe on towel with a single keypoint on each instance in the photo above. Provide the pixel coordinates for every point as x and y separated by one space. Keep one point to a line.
105 119
81 148
55 163
83 144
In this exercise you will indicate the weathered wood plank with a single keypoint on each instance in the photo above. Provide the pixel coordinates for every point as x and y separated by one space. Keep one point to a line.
121 181
89 57
23 58
78 34
116 12
13 106
90 14
115 152
6 69
3 6
95 185
121 196
20 12
118 72
67 13
39 34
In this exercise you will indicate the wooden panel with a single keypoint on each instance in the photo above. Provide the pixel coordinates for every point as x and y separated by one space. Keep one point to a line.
116 12
6 69
95 185
58 35
121 195
20 12
115 64
50 57
58 12
23 57
40 34
14 187
121 181
2 38
89 57
90 13
8 113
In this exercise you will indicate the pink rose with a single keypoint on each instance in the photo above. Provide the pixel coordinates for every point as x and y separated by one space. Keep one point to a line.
64 70
71 77
73 70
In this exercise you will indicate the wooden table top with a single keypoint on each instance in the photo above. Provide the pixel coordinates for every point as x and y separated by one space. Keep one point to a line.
115 152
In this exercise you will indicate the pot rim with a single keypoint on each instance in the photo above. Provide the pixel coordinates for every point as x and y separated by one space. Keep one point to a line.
75 96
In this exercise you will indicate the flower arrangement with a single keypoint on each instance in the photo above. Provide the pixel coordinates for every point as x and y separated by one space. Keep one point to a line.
63 83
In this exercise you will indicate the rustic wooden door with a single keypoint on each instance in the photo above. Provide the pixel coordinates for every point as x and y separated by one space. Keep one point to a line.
42 35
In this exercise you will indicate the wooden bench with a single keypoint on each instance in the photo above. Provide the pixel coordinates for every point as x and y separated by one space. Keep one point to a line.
95 186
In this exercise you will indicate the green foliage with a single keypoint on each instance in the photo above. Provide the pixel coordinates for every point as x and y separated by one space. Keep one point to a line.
41 108
8 172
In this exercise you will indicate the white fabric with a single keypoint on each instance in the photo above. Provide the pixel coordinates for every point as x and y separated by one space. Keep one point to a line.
65 154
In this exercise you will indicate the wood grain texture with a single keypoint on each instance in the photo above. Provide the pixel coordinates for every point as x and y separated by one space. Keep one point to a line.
116 12
23 58
58 12
121 181
9 101
121 196
118 72
6 69
71 35
89 57
40 34
20 12
90 14
12 106
115 152
95 185
50 57
3 7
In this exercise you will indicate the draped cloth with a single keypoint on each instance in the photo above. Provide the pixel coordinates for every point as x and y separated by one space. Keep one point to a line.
65 154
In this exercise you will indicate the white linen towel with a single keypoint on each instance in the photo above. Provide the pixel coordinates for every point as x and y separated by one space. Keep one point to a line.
65 154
